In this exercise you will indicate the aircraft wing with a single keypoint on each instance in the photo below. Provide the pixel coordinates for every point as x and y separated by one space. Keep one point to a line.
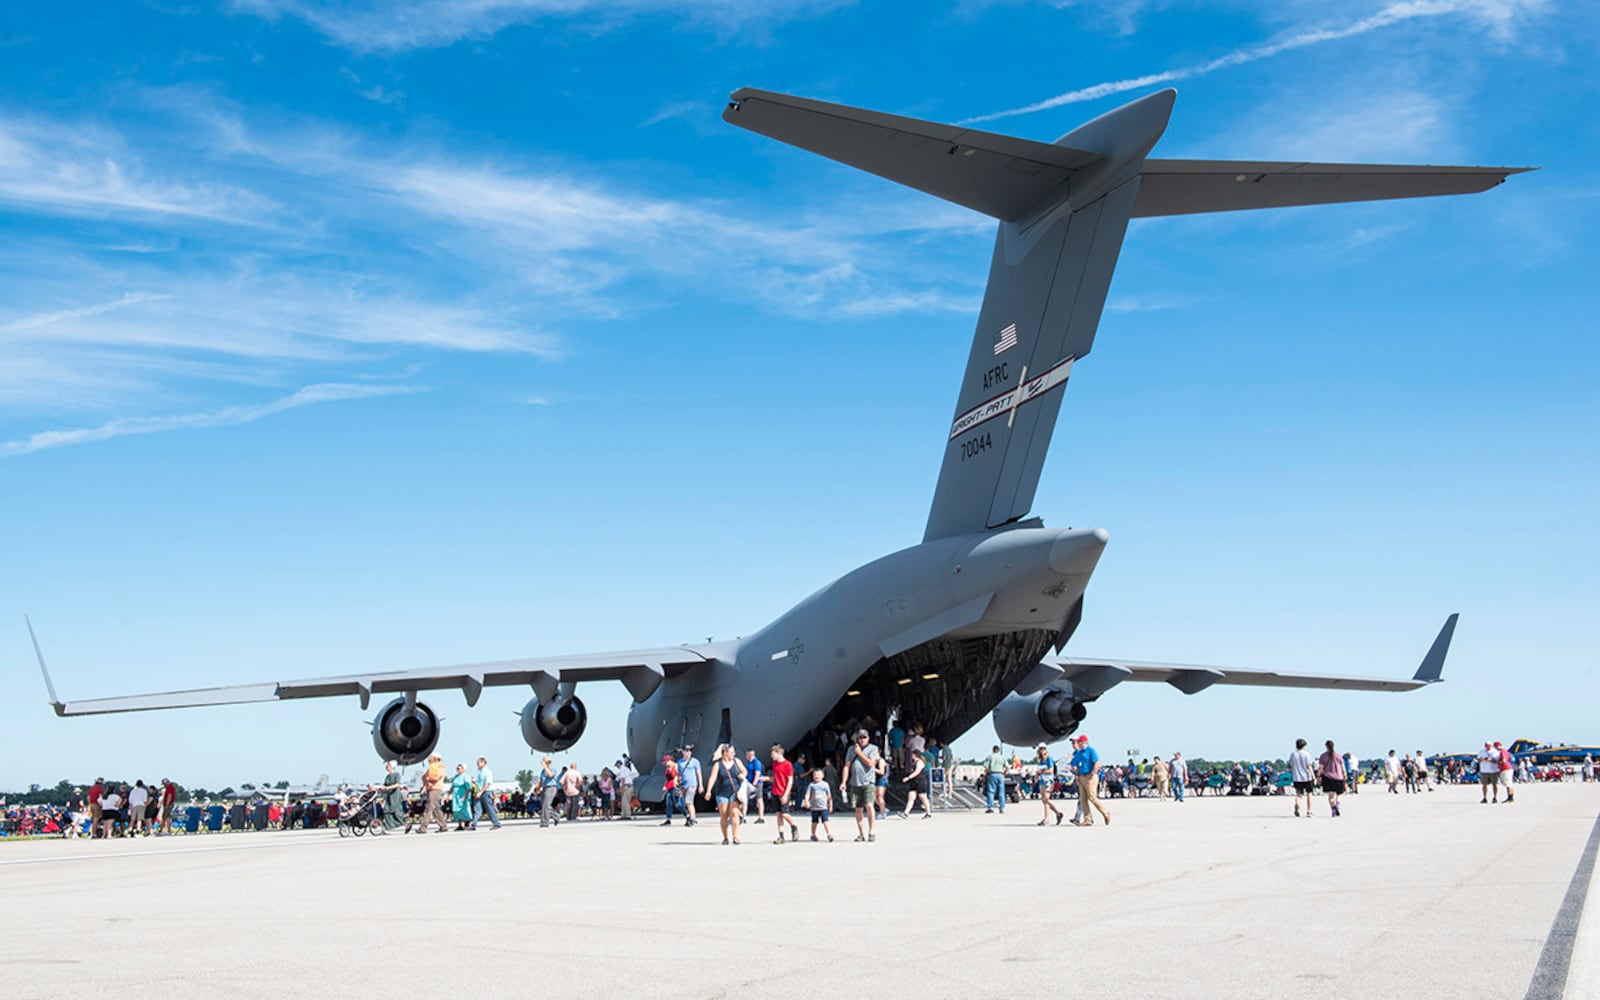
1183 187
1095 676
641 671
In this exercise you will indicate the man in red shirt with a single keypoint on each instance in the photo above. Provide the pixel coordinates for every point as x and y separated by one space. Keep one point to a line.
169 803
95 791
782 789
669 786
1507 769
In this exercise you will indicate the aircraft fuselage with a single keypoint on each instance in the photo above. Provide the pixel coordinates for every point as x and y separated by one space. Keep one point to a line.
777 684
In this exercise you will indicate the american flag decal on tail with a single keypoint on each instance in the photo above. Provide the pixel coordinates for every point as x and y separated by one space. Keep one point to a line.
1007 339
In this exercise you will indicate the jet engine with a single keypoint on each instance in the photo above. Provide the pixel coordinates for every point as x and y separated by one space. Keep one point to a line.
1043 717
555 725
405 735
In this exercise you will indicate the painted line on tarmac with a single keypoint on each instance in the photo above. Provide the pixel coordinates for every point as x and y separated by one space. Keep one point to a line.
156 854
1550 975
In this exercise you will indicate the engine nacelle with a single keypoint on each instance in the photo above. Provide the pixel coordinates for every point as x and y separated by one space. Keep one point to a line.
405 736
553 726
1043 717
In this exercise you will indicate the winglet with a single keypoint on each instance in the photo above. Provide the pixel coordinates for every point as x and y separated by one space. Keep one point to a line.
49 686
1433 663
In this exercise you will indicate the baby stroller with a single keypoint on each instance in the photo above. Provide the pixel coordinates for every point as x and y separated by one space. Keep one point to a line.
1238 783
360 815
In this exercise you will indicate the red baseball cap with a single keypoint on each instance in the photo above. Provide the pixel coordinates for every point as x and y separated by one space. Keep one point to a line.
1497 743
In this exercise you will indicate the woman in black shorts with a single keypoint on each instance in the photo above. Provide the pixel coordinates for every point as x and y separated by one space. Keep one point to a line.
1331 768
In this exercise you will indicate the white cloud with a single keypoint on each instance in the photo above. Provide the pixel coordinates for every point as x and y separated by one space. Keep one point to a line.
1148 303
1500 17
227 416
399 25
1385 123
398 252
62 169
39 320
679 109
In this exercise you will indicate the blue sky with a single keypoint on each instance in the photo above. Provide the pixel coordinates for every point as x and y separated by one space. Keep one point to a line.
368 336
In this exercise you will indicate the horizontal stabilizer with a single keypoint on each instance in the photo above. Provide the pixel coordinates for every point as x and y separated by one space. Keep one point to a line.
998 175
1184 187
1090 676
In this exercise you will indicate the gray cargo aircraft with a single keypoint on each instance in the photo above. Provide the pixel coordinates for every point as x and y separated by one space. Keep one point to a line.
973 619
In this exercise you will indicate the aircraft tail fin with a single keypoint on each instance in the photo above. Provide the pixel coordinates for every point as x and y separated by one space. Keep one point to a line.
1063 210
1433 664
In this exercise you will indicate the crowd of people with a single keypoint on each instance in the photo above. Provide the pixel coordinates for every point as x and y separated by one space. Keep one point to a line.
101 810
856 776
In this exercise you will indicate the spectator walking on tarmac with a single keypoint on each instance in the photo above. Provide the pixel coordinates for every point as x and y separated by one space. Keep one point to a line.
782 791
1408 767
549 784
1330 766
863 761
461 798
1352 772
485 800
819 797
1087 764
994 781
75 812
669 787
752 774
723 783
1180 775
1391 773
880 783
1300 771
690 781
394 798
1046 781
1423 777
432 791
1162 776
917 784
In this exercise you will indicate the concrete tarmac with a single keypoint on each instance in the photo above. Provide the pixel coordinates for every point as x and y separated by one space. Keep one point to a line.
1430 895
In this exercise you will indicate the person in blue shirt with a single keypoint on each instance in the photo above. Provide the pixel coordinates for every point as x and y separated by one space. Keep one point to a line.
485 800
689 782
1047 782
752 774
1087 763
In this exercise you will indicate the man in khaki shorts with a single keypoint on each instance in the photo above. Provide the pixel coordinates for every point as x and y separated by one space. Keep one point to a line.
1489 773
861 790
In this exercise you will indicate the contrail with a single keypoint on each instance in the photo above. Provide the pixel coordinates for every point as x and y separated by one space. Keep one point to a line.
325 393
1393 14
